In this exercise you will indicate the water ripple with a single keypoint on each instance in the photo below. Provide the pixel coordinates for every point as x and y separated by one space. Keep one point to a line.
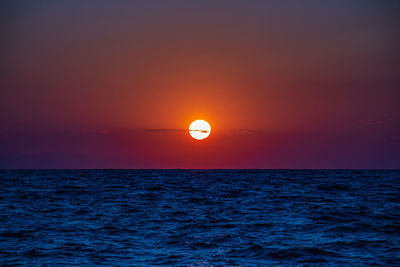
199 217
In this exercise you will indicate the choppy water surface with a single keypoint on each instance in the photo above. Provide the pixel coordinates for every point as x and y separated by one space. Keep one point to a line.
198 218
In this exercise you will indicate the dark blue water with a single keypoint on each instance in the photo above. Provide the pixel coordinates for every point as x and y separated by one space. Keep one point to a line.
200 218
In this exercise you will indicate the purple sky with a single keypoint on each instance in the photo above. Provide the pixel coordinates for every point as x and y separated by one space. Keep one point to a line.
115 84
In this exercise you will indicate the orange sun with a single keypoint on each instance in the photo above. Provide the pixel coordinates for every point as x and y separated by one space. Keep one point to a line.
199 129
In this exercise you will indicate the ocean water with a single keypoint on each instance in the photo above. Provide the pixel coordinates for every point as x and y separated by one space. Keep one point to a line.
200 217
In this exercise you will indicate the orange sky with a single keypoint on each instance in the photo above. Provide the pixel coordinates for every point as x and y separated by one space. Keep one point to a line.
298 81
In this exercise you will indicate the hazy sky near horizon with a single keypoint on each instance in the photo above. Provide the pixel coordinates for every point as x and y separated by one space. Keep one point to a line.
284 84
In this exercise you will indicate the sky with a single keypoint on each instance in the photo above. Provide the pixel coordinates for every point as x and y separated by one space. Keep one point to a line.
116 84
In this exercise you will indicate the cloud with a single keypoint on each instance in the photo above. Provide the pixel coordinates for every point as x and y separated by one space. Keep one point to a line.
234 131
101 131
173 130
373 122
164 130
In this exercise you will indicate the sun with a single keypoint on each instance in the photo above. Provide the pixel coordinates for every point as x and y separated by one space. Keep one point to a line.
199 129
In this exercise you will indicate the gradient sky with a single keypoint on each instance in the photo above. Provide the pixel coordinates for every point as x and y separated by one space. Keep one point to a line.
284 84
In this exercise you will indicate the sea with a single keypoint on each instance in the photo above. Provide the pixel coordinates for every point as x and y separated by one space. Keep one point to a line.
200 217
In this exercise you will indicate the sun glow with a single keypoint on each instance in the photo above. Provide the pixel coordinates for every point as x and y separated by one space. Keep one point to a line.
199 129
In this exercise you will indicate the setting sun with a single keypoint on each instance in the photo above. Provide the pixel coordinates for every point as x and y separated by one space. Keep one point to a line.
199 129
